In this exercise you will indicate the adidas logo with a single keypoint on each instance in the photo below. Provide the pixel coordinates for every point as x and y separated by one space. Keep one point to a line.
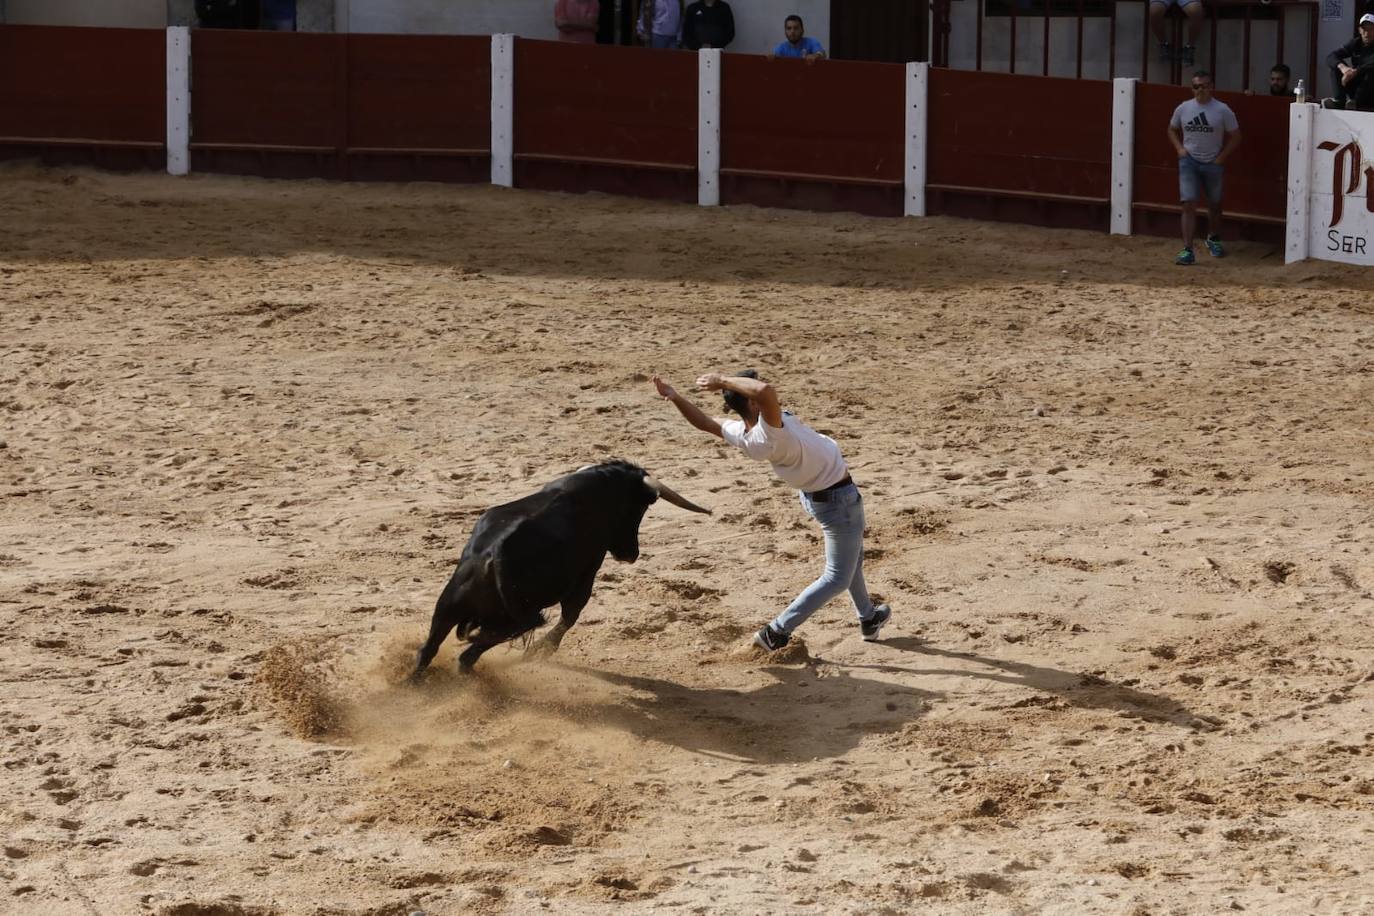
1199 124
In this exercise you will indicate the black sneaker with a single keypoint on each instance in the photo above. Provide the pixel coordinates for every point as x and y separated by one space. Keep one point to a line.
874 625
770 640
1188 56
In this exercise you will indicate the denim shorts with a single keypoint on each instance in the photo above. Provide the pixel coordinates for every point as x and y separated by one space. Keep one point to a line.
1194 176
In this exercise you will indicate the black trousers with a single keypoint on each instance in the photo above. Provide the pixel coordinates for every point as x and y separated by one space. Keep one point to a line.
1361 89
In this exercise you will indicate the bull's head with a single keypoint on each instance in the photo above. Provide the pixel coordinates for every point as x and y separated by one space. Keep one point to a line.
634 491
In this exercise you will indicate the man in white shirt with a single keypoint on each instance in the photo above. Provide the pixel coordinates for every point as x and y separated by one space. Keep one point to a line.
813 464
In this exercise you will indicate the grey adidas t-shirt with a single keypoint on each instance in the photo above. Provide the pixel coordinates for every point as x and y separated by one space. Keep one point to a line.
1202 127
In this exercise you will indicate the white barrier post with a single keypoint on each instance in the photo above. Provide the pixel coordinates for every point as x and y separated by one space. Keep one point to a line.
178 100
1123 154
503 110
1299 223
708 127
917 121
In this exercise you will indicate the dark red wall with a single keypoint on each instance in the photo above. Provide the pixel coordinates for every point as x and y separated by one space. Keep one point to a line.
68 84
1256 178
827 135
419 91
616 119
1045 142
345 106
268 88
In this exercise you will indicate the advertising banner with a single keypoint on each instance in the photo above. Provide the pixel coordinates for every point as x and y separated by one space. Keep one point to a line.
1341 220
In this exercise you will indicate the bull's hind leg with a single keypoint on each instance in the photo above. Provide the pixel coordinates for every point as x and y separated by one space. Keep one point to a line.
474 652
449 611
439 628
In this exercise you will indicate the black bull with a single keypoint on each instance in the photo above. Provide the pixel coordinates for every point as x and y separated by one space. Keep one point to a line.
542 550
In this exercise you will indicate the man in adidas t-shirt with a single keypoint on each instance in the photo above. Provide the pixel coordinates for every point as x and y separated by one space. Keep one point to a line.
811 463
1204 132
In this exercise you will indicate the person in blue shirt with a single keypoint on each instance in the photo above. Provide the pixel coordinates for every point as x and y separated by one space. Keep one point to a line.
797 44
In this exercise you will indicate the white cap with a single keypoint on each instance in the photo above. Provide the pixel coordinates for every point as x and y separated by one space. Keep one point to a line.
1367 17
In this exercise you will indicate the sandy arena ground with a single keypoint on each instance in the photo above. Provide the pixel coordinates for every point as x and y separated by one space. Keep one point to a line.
1122 511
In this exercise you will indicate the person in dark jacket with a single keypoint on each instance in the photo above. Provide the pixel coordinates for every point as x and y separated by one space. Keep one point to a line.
1352 69
708 24
226 14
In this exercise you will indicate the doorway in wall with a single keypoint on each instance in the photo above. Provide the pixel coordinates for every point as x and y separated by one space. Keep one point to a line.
893 31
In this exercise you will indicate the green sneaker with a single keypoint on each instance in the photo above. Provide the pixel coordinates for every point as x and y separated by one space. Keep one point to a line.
1214 247
1185 257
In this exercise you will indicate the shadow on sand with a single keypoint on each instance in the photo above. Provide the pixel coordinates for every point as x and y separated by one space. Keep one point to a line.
1086 691
790 720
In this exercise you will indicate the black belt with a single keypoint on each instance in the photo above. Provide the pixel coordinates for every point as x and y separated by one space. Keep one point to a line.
823 496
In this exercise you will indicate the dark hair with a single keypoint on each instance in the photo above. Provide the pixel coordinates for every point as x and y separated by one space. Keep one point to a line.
1199 74
1281 68
736 401
797 18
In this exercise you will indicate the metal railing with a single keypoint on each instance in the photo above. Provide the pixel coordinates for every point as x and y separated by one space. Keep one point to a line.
1015 23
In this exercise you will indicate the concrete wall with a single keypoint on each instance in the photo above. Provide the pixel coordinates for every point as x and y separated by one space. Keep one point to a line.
758 23
311 15
142 14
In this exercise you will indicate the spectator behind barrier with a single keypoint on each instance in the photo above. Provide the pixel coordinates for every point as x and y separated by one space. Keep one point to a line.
278 15
1279 77
708 24
798 45
577 20
1204 132
1352 70
660 23
1193 10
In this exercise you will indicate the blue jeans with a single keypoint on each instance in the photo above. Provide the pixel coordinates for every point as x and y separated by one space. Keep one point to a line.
1194 176
663 41
842 521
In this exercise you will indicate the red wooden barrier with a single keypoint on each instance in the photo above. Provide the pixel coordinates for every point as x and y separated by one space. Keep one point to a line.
84 96
614 119
822 136
373 107
419 107
1029 149
825 136
1255 191
268 103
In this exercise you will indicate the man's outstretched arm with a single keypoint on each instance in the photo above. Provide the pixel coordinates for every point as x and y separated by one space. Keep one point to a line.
759 392
690 412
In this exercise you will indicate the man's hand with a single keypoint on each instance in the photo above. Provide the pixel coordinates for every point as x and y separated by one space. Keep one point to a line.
1348 74
665 391
709 382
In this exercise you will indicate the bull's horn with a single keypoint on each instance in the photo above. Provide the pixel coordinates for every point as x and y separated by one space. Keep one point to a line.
668 493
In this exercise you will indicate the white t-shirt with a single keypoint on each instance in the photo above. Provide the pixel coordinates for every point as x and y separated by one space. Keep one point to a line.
802 457
1202 127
